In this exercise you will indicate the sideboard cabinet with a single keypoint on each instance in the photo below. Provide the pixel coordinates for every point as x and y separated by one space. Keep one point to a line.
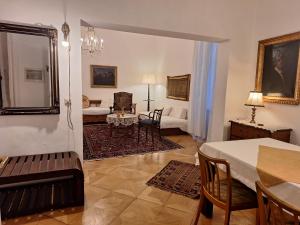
244 130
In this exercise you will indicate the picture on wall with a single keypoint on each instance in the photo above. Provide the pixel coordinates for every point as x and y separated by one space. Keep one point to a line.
178 87
278 69
103 76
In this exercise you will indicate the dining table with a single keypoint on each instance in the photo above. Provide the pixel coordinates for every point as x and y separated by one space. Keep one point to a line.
247 158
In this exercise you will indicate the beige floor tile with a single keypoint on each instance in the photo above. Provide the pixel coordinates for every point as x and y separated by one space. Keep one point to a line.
182 203
132 174
155 195
168 216
141 211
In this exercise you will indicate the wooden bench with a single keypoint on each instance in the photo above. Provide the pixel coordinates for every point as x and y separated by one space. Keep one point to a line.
36 183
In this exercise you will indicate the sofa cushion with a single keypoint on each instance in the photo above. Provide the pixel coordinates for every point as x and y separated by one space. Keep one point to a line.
167 111
183 114
173 122
95 111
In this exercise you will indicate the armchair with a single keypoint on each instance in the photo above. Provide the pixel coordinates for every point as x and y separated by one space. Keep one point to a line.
123 101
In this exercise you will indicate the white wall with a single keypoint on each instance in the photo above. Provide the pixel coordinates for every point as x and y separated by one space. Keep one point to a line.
272 18
136 55
46 133
216 18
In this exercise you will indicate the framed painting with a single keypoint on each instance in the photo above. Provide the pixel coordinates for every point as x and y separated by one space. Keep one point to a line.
178 87
277 75
103 76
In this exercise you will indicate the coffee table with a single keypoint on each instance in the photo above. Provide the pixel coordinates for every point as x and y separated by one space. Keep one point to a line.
125 121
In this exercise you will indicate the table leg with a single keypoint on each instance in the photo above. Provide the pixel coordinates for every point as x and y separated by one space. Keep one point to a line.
207 209
110 129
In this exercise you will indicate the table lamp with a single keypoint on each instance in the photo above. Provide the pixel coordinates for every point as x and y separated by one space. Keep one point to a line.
255 99
148 79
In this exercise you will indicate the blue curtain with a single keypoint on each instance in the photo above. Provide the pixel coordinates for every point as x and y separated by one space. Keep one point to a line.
202 89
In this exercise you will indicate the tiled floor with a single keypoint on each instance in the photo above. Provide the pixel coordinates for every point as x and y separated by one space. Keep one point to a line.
116 194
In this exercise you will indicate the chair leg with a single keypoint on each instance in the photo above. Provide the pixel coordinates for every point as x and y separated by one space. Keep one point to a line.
257 217
152 136
159 133
227 216
139 134
200 207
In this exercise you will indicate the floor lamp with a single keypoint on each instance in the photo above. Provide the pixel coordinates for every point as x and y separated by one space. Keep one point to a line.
148 79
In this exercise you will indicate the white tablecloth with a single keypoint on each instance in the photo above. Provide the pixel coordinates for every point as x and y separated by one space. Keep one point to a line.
125 120
242 156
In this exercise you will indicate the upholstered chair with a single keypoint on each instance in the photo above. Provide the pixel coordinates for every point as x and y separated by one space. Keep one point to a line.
123 102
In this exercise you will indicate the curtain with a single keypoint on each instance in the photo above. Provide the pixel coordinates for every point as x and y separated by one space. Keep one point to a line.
202 89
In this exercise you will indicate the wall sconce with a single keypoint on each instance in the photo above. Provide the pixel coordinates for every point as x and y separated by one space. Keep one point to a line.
66 31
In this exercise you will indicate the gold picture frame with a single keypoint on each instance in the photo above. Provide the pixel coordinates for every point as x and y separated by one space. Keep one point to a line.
103 76
178 87
278 69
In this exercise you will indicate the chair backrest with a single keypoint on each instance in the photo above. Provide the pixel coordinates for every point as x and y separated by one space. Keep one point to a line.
274 211
123 100
216 184
156 116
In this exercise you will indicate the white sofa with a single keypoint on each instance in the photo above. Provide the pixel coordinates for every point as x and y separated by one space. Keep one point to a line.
95 111
173 118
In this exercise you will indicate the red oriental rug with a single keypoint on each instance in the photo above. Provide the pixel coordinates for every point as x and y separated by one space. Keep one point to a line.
97 143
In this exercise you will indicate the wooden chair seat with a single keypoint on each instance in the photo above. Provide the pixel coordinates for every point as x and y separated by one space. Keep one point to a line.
275 211
242 196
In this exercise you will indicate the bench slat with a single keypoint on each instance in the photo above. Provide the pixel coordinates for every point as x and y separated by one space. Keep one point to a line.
9 166
18 166
26 167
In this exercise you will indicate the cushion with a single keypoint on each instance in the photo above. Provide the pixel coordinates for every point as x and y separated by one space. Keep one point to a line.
148 122
85 102
95 111
183 114
173 122
166 111
175 112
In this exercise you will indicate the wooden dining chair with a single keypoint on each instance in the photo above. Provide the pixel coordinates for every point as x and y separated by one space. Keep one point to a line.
274 211
219 188
150 121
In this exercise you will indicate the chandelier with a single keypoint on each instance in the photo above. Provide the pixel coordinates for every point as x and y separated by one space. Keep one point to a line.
90 42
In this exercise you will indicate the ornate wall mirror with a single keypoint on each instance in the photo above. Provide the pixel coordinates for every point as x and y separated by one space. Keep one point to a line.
28 70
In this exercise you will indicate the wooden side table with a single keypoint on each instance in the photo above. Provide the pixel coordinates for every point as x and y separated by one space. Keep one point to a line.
241 129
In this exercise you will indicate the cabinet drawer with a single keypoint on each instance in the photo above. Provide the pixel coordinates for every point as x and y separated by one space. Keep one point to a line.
247 132
238 130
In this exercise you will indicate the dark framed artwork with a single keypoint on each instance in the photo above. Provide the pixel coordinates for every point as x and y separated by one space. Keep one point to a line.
277 75
178 87
103 76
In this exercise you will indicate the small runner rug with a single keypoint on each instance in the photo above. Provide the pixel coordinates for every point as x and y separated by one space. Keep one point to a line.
178 177
97 143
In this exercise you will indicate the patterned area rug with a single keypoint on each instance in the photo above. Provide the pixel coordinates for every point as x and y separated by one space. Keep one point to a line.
97 143
178 177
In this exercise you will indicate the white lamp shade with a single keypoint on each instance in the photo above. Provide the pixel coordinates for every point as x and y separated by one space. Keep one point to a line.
149 79
255 99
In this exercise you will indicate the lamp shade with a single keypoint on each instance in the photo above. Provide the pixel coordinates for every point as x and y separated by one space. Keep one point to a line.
149 79
255 99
